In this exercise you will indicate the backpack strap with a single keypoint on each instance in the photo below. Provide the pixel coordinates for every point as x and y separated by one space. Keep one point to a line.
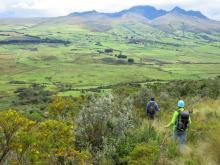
178 116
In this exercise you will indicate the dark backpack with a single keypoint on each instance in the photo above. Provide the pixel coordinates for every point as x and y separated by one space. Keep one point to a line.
183 121
151 108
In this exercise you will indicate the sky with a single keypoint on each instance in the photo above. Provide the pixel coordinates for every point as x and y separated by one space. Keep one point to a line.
210 8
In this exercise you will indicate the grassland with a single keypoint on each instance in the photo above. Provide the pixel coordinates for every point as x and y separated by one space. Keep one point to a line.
84 63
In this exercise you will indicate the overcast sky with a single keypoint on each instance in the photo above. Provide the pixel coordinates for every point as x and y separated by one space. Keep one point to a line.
210 8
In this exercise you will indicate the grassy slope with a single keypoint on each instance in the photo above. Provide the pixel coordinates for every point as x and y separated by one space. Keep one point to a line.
203 130
156 55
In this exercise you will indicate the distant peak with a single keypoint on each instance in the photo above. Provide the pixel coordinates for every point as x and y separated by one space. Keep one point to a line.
143 7
178 9
148 12
92 12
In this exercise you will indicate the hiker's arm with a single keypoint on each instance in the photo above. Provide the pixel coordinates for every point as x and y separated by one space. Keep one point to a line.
174 118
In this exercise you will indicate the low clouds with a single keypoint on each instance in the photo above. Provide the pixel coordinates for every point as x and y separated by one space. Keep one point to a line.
63 7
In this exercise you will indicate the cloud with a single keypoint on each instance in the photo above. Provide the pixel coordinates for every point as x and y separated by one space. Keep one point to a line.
64 7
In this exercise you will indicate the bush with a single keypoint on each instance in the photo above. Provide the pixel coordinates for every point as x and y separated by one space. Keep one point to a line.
142 97
144 134
63 108
101 123
35 94
108 50
121 56
131 60
144 154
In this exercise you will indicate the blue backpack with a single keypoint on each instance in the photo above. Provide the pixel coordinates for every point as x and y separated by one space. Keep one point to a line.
151 108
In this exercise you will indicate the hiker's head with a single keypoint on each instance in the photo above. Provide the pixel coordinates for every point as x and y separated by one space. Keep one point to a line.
181 104
151 99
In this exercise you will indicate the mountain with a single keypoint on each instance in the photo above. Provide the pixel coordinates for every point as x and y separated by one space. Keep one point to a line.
175 21
148 12
87 13
192 13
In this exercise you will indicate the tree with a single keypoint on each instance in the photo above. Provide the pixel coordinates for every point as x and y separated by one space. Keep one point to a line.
101 124
131 60
11 122
63 107
55 143
23 141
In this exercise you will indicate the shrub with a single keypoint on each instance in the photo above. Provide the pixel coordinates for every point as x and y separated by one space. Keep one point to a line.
101 123
35 94
63 108
11 122
121 56
144 154
108 50
142 97
131 60
144 134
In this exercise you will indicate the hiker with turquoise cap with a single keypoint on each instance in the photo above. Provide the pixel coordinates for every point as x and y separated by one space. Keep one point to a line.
180 123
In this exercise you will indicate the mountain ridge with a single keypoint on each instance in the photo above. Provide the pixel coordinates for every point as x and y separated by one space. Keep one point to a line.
179 10
176 19
148 12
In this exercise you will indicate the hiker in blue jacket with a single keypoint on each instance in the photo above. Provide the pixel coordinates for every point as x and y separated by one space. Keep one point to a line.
151 109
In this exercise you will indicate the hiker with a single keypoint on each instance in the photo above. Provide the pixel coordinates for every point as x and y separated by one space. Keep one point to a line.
151 109
180 122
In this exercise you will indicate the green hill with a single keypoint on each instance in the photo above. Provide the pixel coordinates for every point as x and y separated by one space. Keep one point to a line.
73 89
71 53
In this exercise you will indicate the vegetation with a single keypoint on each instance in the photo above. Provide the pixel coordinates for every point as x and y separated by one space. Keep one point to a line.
26 142
73 91
113 129
68 58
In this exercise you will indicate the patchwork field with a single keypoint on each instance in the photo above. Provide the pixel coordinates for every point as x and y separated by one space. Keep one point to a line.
80 54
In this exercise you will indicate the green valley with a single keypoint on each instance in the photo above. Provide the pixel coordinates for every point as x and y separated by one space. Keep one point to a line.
93 51
119 88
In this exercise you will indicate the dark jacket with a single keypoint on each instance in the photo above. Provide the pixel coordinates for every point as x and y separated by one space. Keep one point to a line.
150 103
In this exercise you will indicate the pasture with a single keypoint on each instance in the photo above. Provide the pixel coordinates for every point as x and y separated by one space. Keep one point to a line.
64 55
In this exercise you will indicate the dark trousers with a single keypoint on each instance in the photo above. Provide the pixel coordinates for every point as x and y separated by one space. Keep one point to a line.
150 116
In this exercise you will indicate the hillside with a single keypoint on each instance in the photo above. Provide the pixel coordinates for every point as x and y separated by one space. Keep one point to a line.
111 129
176 21
164 20
73 89
92 50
